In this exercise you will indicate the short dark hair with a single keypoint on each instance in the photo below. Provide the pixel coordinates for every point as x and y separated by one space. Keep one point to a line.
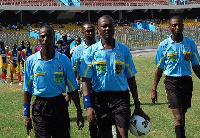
105 16
176 17
50 27
87 23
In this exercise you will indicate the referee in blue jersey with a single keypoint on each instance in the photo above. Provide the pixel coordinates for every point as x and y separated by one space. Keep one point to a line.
47 73
109 65
88 31
175 55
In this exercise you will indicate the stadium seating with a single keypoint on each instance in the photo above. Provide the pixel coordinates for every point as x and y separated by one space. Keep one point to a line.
124 2
50 3
195 1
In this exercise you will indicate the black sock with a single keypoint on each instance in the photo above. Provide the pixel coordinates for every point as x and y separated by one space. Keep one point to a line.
180 131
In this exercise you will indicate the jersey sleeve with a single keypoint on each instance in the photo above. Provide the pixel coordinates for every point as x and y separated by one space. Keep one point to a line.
160 57
86 64
70 79
130 70
195 59
28 83
75 60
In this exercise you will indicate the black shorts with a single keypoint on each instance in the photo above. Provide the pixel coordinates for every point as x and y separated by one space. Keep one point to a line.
179 91
112 108
51 118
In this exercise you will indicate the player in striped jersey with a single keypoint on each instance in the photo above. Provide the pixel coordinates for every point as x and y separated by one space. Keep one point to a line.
3 62
27 52
14 56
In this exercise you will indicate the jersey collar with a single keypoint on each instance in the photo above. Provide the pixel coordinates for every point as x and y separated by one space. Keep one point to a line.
39 57
101 46
172 41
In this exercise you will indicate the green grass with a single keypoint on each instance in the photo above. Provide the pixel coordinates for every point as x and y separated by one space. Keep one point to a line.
162 125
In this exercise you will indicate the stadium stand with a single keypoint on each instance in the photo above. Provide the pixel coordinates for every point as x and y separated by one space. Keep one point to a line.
124 2
49 3
194 1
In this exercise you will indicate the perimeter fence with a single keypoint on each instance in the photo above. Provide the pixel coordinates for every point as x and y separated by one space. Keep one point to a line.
131 37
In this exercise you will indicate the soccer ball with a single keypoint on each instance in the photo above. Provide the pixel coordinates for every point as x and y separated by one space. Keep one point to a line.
139 126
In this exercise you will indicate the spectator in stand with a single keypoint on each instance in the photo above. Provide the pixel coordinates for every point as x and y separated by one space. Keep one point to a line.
65 44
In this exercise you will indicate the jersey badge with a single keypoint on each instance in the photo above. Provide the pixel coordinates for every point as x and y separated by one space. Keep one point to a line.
118 68
58 79
99 55
119 55
101 67
187 57
59 67
38 69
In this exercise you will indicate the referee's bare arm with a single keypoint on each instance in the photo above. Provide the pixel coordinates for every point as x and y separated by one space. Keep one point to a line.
28 121
133 88
157 77
76 100
27 97
196 70
91 115
86 86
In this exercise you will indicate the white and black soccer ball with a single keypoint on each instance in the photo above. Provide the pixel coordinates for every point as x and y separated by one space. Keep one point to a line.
139 126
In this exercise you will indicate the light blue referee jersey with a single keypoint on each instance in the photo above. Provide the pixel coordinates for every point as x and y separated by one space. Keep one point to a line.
108 68
76 56
49 78
176 58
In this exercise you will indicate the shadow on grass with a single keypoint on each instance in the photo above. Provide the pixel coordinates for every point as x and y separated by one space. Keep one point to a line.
151 104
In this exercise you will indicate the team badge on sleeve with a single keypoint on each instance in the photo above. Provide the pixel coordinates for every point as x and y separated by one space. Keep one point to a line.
118 68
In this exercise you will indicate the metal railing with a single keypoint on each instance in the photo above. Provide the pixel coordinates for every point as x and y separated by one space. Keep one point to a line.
135 39
131 37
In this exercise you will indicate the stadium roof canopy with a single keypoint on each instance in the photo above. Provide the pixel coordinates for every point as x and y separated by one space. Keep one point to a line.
82 9
96 8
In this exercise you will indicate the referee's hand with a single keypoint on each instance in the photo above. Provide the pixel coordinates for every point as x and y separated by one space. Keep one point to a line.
91 115
140 112
80 120
28 124
154 96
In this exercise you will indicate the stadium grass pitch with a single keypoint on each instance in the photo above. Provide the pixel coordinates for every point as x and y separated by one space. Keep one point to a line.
162 125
